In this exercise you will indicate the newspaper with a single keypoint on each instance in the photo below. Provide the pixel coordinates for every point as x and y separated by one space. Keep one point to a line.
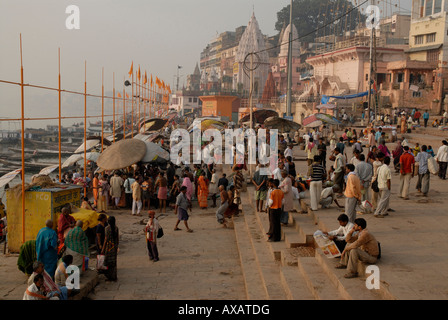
328 246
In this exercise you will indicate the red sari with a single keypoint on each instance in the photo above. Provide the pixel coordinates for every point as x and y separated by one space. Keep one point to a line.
202 192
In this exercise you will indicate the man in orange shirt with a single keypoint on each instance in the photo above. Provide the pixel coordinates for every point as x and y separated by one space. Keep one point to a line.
352 192
275 211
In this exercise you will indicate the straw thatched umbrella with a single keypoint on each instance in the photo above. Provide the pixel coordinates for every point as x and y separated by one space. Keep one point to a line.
284 125
122 154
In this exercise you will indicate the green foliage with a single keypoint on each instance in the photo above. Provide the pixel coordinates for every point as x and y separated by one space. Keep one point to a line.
308 15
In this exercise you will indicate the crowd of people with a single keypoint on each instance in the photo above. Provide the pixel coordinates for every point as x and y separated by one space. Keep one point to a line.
364 181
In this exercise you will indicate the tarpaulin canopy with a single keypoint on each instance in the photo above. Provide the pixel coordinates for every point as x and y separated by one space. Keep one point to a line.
325 99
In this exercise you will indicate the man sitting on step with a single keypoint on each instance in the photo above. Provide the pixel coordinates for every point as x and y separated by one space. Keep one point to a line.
361 247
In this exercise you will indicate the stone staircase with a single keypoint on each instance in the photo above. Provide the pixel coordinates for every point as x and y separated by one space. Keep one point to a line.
292 269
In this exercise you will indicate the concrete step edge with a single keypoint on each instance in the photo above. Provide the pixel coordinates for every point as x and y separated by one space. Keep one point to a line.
263 255
249 266
317 280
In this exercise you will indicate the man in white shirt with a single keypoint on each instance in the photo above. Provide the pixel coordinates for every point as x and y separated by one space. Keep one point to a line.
277 173
384 182
442 159
338 235
288 151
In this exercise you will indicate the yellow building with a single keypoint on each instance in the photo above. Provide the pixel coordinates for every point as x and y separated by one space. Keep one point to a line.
428 35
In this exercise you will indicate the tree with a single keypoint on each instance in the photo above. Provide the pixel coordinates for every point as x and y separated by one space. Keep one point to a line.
309 15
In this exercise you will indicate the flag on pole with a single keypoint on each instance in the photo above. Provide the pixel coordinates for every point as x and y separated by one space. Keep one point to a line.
145 80
119 95
151 81
132 69
138 73
127 96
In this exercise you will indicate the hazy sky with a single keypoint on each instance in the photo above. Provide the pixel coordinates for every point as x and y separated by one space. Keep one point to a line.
157 35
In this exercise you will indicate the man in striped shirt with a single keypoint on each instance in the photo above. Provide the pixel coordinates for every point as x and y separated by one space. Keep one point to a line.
318 175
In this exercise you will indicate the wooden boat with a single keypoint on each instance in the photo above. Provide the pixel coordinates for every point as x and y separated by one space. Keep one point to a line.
42 152
30 165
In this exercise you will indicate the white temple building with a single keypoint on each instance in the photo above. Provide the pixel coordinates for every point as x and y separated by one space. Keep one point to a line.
252 40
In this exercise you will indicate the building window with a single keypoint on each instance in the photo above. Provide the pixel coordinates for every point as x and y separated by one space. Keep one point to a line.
430 38
418 40
432 56
428 8
400 77
195 100
417 94
437 6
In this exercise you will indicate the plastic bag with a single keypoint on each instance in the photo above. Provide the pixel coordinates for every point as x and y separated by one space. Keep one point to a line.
100 262
366 207
433 166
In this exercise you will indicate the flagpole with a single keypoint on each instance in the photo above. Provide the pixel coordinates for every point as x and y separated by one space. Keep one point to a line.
138 95
59 96
132 113
102 110
23 140
124 111
85 124
113 124
150 98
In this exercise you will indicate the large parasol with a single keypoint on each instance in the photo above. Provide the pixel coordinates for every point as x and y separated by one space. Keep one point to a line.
90 156
284 125
92 142
5 179
154 152
311 122
327 119
260 115
153 124
122 154
208 124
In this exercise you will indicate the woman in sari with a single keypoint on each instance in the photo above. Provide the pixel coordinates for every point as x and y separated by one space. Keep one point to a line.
110 250
187 183
103 195
202 191
95 189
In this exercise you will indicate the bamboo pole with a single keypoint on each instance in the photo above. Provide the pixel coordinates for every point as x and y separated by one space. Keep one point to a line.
102 111
23 140
132 113
139 97
113 123
85 124
124 112
60 126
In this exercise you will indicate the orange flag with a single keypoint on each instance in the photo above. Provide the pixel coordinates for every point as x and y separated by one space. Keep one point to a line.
132 69
119 95
145 79
151 81
127 96
138 73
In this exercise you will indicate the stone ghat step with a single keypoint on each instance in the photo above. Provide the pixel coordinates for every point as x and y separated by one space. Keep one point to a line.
268 267
316 270
88 281
251 274
355 289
